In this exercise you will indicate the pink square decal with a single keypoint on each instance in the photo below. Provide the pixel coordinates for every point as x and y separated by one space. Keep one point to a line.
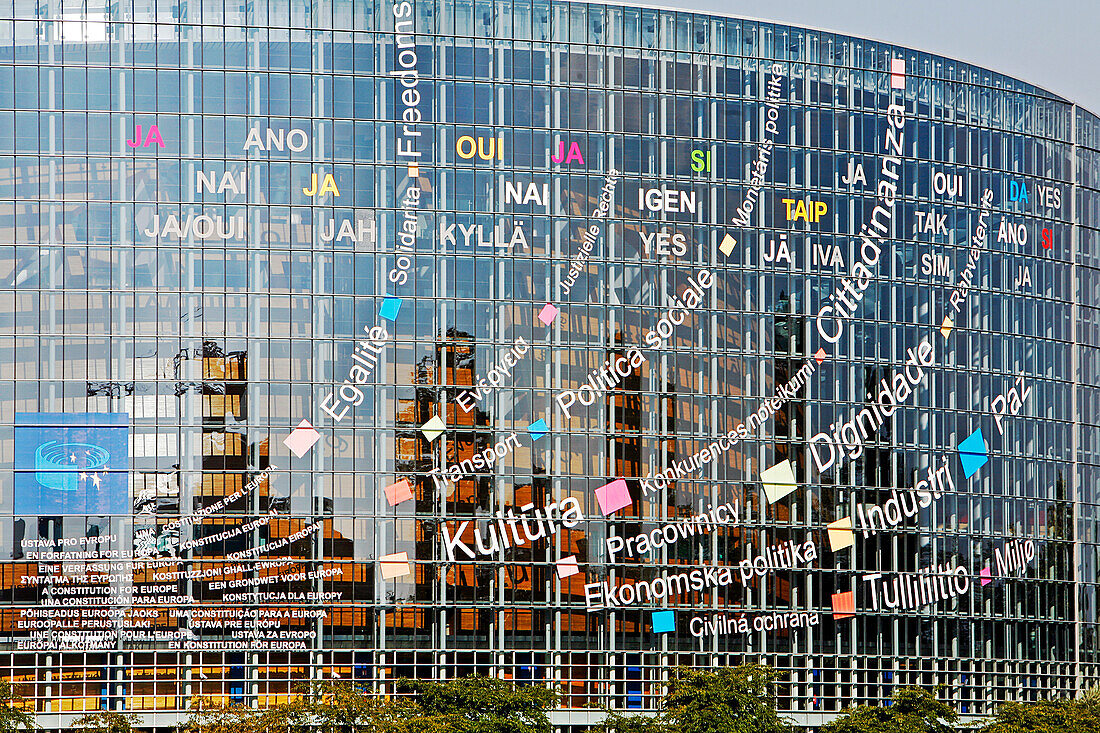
986 576
395 565
301 439
897 73
613 496
567 566
399 492
548 313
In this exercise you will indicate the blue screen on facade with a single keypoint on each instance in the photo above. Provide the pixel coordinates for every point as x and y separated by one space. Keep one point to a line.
72 463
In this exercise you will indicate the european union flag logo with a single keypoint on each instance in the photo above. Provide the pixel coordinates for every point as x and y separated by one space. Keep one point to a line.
72 463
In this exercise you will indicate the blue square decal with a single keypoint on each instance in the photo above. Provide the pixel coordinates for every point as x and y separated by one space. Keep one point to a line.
664 621
973 453
390 306
538 428
72 463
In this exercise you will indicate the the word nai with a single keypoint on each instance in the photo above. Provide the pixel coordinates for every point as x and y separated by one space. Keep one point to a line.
294 140
204 183
514 193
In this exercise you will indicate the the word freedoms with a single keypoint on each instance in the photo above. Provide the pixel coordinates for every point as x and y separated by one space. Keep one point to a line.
679 469
406 148
588 238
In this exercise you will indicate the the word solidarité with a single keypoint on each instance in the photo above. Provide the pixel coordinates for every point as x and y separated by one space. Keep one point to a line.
495 377
541 524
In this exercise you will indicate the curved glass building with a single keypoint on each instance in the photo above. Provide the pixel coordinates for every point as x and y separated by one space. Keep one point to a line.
562 342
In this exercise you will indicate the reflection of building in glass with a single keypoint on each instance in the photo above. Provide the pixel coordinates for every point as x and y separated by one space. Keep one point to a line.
121 295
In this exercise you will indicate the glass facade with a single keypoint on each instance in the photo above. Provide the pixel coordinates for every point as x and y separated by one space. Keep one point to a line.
774 279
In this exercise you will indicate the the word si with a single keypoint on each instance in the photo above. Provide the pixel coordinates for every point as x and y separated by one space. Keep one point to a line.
700 160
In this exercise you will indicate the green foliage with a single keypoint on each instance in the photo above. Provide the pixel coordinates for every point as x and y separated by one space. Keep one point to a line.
616 722
1049 716
341 707
106 721
13 713
914 710
730 700
483 705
